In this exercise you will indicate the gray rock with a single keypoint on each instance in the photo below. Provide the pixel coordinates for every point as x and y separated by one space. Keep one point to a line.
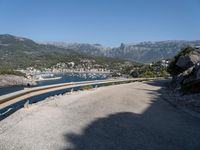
188 71
198 74
134 73
188 61
183 61
12 80
178 80
189 79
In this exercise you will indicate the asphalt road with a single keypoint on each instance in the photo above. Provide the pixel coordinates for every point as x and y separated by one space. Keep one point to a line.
122 117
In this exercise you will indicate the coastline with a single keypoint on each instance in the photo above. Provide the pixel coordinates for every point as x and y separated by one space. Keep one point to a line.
14 80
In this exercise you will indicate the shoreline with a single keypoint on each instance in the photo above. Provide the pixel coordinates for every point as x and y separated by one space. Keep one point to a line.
14 80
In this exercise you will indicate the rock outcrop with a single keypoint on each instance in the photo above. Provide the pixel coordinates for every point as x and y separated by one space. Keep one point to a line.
188 61
185 70
13 80
189 79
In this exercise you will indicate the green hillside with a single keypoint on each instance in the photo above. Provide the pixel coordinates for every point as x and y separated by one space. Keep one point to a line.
20 53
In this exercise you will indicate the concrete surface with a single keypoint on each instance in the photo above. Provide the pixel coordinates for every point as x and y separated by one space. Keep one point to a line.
15 97
122 117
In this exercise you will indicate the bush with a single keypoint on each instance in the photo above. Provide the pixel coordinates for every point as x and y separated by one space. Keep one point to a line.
4 71
87 87
152 71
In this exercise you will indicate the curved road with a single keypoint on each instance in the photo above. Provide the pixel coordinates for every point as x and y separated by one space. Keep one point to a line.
122 117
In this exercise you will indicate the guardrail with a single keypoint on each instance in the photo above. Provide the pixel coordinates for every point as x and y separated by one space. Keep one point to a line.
16 97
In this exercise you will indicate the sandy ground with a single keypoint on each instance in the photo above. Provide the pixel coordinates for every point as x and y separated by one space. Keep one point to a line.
122 117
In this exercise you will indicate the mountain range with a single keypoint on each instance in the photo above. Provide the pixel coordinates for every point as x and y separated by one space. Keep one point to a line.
17 52
144 52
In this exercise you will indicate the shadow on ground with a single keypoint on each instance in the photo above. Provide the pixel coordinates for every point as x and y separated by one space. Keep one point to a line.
160 127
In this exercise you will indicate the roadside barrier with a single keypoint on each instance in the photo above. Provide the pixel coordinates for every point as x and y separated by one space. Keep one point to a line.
18 99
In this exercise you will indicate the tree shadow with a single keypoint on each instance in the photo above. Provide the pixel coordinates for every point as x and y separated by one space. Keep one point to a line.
154 129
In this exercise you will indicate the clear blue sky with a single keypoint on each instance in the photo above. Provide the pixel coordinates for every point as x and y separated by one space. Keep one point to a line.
108 22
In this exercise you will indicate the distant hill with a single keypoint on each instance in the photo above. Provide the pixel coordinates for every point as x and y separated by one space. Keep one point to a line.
91 49
17 52
145 52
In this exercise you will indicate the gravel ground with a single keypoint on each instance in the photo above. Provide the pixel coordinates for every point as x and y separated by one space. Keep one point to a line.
190 102
122 117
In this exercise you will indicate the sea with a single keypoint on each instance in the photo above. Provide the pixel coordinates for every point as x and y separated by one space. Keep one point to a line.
64 78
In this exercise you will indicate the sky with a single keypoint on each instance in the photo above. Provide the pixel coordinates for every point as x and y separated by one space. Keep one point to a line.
107 22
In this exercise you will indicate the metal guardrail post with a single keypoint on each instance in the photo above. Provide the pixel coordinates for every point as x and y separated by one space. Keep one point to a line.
26 105
72 90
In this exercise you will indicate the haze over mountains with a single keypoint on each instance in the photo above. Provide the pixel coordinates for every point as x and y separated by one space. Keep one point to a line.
145 52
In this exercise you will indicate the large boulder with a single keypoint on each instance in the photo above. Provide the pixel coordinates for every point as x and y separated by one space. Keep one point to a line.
134 73
180 78
188 61
190 74
185 69
198 73
188 71
186 76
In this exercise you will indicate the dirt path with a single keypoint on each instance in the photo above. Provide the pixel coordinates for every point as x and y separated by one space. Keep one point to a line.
122 117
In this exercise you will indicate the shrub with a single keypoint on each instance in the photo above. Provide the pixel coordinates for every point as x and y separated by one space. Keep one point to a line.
87 87
152 71
4 71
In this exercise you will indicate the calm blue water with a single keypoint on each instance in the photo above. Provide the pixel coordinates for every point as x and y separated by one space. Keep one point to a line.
5 112
65 78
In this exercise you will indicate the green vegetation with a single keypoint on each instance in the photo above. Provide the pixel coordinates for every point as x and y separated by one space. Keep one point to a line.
148 71
6 71
21 53
173 69
87 87
154 70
